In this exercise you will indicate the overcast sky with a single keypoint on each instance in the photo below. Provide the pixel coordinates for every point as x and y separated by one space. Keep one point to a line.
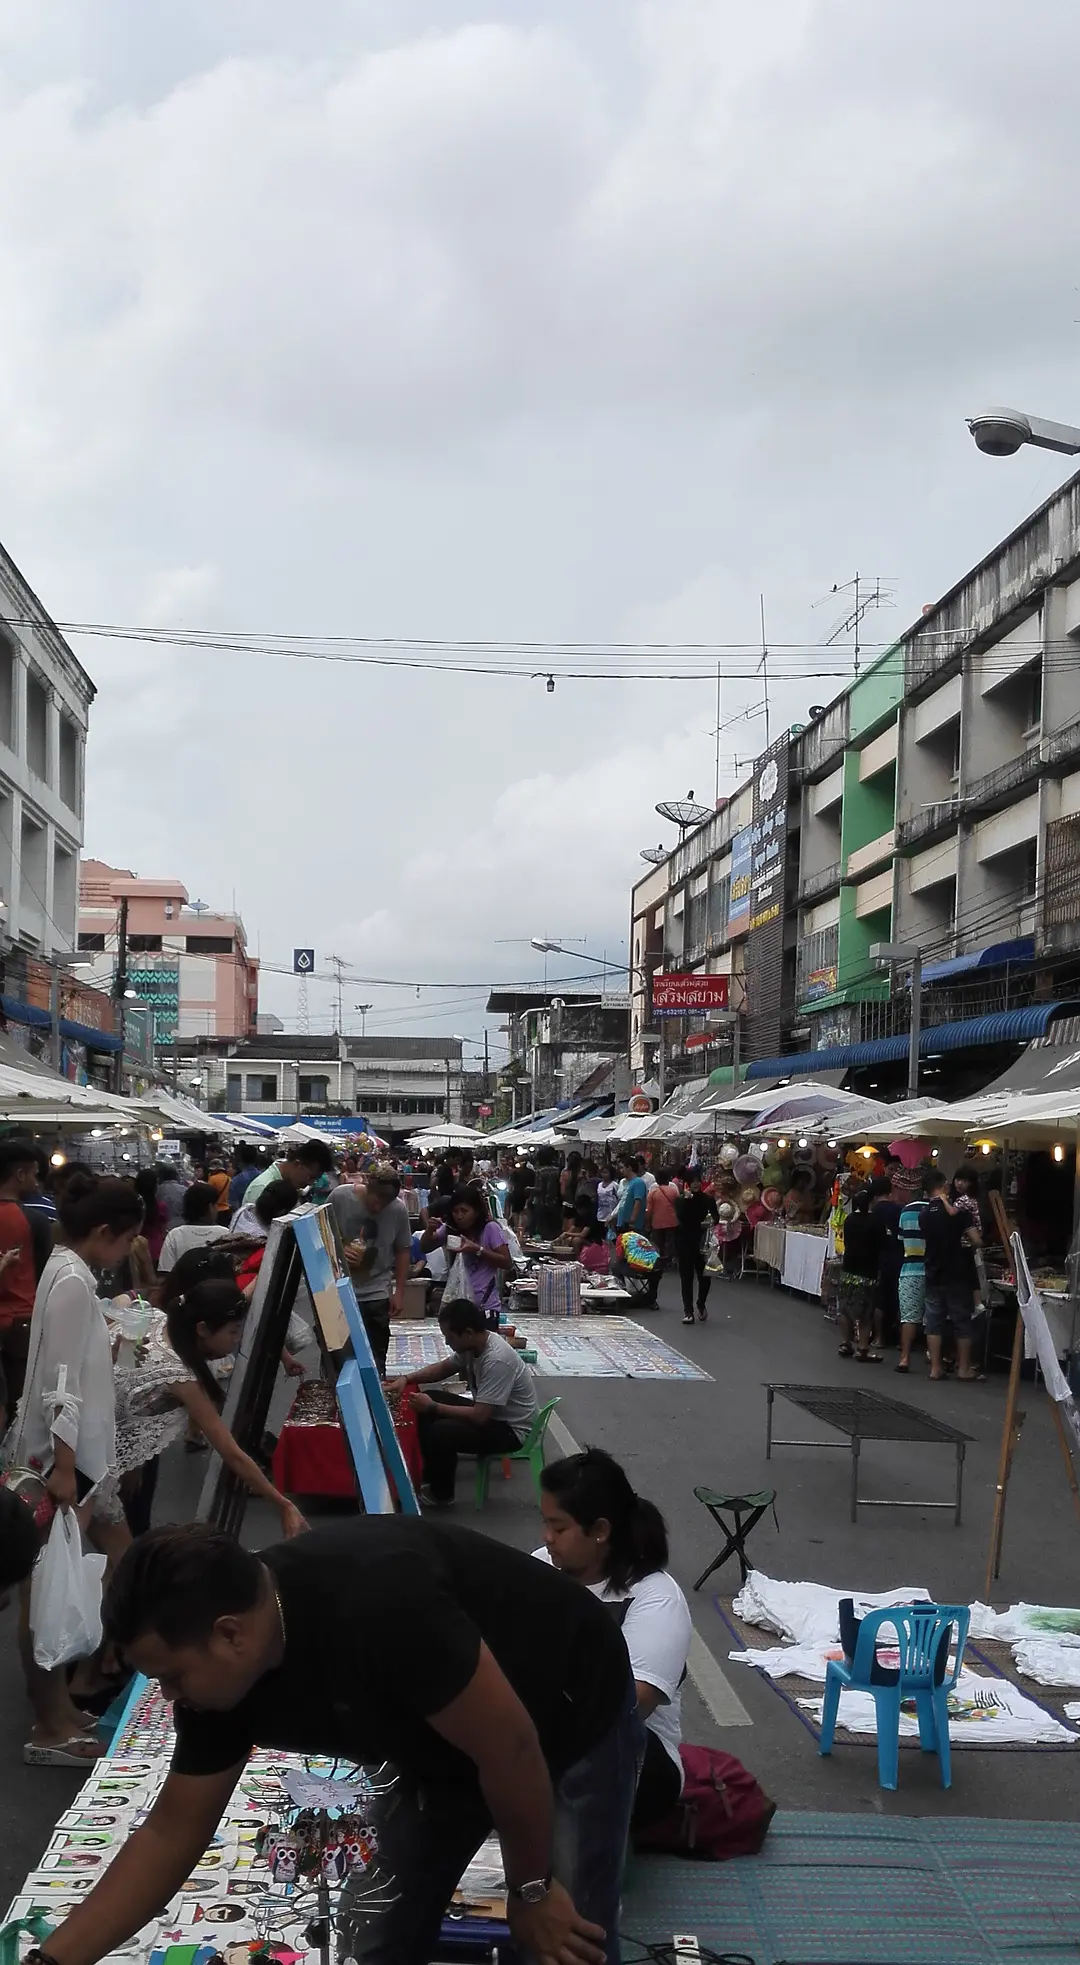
546 322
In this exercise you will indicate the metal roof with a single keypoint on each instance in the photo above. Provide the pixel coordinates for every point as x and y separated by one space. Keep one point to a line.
994 957
1006 1027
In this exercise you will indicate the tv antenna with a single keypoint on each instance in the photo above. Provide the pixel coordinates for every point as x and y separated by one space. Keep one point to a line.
865 594
684 812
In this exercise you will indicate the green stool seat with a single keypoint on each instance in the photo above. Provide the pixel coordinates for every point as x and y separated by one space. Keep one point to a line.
531 1449
746 1511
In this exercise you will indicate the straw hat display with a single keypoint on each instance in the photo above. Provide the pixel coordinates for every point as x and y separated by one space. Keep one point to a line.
747 1168
729 1153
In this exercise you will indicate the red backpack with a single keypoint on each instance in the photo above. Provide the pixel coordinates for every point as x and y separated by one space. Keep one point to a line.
722 1811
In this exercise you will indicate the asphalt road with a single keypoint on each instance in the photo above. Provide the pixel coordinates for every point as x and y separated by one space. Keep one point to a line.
672 1436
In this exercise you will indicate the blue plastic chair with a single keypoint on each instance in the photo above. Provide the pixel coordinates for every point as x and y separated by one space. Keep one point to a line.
921 1630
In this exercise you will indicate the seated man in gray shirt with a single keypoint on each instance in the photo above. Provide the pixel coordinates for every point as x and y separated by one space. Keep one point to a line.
375 1230
495 1419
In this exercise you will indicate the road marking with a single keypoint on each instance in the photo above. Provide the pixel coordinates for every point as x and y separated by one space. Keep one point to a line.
712 1685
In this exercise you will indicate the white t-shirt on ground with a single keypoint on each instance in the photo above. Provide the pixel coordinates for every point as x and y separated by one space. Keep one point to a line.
657 1627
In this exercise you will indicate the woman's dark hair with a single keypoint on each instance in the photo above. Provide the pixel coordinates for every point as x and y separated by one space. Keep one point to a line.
546 1156
880 1186
218 1263
475 1198
584 1211
199 1203
592 1487
215 1303
593 1230
277 1199
146 1186
61 1175
860 1200
88 1203
177 1582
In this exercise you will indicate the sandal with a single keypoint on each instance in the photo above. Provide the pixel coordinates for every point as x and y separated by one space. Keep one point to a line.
846 1351
688 1320
901 1367
66 1753
970 1377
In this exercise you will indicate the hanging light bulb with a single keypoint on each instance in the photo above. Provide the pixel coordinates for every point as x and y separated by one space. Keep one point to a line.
986 1148
550 685
804 1142
1059 1153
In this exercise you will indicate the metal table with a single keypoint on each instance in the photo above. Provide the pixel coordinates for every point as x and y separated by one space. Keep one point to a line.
865 1415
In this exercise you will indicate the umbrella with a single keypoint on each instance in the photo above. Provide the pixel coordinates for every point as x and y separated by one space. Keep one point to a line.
448 1135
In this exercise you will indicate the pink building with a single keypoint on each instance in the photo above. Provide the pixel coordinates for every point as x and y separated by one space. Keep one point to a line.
192 966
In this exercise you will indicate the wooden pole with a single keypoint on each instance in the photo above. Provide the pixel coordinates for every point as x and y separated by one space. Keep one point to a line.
1063 1442
1010 1434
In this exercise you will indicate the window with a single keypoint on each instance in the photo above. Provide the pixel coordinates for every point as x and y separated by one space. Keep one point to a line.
261 1090
313 1091
144 944
233 1091
209 945
69 764
92 944
37 716
1029 870
379 1105
1034 701
7 688
954 764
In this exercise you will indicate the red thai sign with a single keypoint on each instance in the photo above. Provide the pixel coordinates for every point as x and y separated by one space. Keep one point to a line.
685 995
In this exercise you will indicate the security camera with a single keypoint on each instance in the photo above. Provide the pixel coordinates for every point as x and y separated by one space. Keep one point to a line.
1000 432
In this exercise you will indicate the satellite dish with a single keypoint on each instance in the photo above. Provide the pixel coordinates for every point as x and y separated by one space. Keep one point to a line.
684 812
656 855
198 907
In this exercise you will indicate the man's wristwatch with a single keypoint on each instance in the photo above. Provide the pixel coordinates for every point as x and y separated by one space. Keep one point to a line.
534 1892
37 1956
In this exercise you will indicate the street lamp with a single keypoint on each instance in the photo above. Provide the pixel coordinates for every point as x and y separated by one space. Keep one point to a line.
363 1009
1002 432
907 952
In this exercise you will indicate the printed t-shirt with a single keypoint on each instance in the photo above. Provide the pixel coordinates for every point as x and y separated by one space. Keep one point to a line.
385 1233
383 1620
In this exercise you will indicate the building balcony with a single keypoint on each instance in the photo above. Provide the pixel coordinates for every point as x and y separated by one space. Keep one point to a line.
875 853
816 885
929 824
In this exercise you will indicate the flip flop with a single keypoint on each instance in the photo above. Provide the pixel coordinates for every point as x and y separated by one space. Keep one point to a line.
64 1754
846 1351
970 1377
901 1367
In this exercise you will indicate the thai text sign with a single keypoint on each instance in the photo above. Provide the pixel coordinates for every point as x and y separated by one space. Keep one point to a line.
687 996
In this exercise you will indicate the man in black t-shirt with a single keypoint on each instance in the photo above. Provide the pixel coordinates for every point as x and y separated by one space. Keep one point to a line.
949 1232
692 1210
499 1689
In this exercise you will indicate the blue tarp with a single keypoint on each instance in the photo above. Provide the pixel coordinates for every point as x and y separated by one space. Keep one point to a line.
1006 1027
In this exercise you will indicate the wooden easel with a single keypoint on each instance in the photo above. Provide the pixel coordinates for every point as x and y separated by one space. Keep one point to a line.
1014 1420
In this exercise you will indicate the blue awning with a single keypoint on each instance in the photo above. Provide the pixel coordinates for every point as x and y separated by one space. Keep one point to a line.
84 1033
1006 1027
998 956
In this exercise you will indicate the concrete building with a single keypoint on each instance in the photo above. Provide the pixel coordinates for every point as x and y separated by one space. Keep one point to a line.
398 1083
935 804
45 698
557 1039
189 965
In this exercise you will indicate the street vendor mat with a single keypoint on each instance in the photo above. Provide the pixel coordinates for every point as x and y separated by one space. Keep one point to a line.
565 1347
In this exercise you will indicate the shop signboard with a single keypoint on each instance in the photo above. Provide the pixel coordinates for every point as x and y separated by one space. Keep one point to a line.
683 995
157 984
819 982
741 878
768 868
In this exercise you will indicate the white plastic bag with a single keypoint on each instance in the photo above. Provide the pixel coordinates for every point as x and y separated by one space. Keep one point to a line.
65 1596
457 1283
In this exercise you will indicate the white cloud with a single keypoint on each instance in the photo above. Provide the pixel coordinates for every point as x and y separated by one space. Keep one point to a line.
550 324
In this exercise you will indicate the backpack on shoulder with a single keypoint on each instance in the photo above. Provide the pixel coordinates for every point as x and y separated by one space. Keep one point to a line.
722 1812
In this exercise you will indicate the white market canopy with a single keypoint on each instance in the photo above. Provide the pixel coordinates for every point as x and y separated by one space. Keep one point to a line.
434 1138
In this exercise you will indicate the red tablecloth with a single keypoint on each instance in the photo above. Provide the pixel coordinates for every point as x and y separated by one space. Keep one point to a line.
313 1460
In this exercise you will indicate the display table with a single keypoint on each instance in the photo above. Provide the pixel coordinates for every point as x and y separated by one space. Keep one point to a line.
804 1260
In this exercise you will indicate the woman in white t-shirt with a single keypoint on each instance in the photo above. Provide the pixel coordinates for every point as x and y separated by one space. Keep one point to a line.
599 1531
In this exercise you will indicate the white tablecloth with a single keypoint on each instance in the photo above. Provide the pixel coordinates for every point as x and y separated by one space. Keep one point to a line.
769 1243
804 1260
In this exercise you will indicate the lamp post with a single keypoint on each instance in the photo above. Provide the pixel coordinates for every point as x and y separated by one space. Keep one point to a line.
363 1009
1002 432
904 952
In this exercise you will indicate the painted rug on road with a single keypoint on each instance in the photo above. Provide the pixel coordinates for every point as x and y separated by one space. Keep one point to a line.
869 1891
566 1347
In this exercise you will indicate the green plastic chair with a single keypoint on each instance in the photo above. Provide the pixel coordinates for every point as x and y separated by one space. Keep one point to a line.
531 1449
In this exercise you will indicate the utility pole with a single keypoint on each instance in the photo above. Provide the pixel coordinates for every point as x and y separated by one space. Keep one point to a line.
120 990
54 1014
486 1067
338 966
